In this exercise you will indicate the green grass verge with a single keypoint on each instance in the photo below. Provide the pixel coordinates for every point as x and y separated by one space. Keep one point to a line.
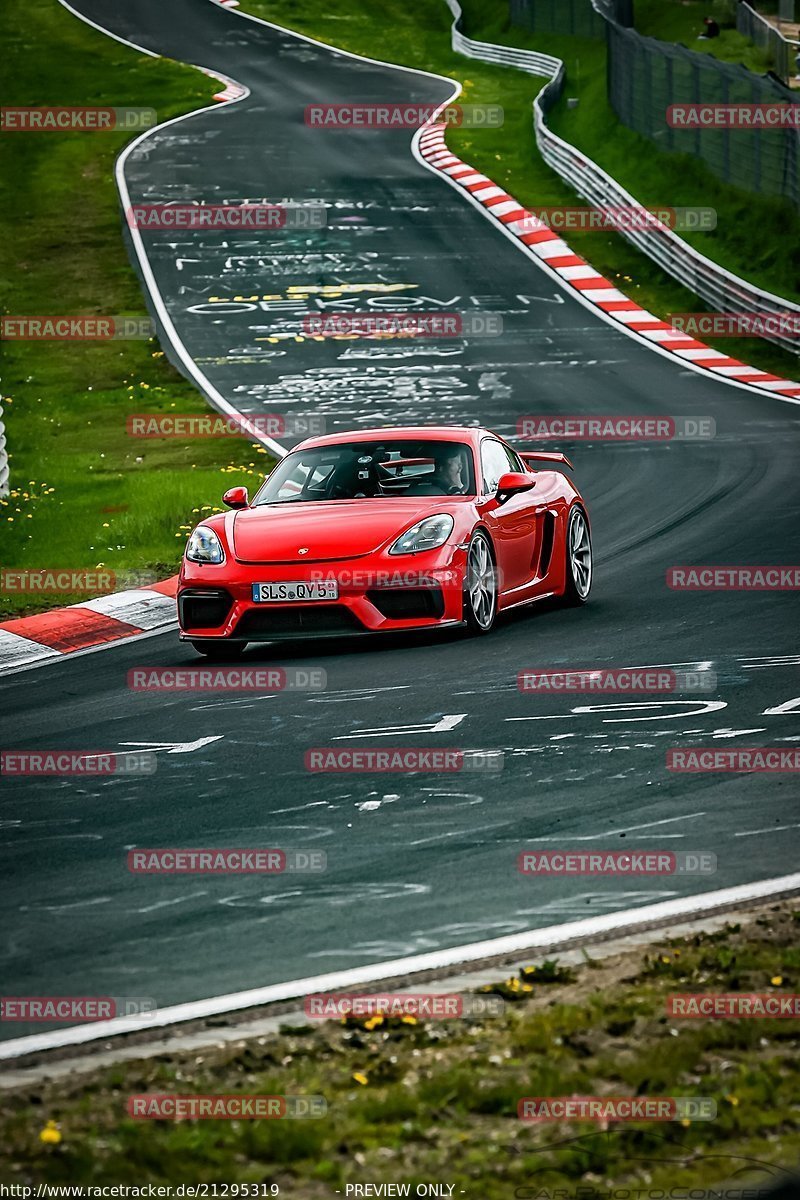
423 1101
84 492
682 21
756 237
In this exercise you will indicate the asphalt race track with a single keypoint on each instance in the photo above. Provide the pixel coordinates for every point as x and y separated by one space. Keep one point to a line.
421 862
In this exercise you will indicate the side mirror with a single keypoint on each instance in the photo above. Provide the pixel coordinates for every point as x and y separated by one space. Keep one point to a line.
236 497
512 484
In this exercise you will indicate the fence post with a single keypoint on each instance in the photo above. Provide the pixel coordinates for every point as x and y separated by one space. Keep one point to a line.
4 485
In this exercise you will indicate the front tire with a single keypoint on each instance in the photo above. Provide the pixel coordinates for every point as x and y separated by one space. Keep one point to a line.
579 561
219 651
480 586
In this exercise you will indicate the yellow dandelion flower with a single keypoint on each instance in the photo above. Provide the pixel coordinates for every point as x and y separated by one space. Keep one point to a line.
361 1078
776 980
51 1134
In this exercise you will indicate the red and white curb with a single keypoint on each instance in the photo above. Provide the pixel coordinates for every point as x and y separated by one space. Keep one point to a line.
232 89
554 254
61 631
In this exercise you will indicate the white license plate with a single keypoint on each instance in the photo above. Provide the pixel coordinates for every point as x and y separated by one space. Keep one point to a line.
281 593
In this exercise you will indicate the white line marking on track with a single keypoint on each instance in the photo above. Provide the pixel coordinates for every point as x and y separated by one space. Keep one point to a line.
107 32
168 903
591 837
609 924
772 829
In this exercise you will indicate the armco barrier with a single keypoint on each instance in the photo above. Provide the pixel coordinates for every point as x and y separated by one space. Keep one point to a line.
4 485
721 290
759 30
505 56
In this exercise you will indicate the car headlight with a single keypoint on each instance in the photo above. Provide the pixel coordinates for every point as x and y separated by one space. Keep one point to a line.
425 535
204 546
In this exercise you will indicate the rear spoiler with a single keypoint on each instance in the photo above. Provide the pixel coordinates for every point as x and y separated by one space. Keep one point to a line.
531 456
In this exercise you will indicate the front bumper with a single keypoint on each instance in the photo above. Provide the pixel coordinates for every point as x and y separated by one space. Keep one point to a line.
216 602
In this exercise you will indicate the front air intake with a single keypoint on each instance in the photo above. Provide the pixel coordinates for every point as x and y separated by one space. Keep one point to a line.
204 608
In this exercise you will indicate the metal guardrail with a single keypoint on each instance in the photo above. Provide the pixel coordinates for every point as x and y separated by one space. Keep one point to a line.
766 36
505 56
4 484
719 288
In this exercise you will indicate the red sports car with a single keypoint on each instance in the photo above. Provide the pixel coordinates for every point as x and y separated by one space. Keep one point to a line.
384 530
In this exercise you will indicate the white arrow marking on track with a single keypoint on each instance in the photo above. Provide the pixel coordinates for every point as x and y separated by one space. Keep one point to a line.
176 747
729 733
789 706
443 725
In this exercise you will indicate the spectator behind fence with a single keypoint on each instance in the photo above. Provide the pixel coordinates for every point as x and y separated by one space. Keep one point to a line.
712 29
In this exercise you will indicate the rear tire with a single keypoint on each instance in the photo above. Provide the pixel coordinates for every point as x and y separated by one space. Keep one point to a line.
219 651
579 564
480 586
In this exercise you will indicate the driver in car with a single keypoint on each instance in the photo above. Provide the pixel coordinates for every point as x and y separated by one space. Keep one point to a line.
448 473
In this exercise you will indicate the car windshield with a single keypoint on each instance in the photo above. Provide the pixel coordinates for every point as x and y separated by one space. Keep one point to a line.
353 470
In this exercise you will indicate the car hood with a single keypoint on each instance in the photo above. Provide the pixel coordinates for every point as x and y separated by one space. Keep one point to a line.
328 530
